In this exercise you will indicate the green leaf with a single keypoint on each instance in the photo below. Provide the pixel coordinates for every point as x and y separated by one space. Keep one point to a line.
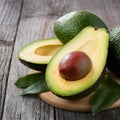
105 95
34 83
28 80
35 88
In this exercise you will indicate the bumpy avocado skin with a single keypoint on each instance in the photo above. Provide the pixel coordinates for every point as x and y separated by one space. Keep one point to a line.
69 25
113 61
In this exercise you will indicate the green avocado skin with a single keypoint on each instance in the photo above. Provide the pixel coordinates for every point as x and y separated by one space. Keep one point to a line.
38 67
69 25
113 61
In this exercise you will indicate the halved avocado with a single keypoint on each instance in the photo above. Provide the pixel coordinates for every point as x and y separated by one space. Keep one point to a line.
90 41
37 54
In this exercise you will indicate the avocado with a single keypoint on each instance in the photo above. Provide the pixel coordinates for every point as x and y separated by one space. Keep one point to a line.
37 54
113 61
67 26
92 42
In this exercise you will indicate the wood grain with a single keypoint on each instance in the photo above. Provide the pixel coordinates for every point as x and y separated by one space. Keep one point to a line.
5 56
36 22
9 17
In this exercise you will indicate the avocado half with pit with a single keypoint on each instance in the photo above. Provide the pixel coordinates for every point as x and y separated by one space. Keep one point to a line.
90 41
69 25
37 54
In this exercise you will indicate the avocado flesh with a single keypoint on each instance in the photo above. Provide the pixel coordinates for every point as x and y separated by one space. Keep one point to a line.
37 54
69 25
95 44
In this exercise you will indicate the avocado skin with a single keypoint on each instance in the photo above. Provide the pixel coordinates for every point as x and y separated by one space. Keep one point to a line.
38 67
68 26
113 60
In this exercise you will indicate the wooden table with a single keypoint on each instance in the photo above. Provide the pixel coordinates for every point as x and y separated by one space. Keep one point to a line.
23 21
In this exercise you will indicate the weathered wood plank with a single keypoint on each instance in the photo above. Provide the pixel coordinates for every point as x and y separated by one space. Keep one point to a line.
36 22
106 10
5 56
9 15
8 24
46 7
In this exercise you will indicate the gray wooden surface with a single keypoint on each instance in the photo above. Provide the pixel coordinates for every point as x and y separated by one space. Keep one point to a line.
23 21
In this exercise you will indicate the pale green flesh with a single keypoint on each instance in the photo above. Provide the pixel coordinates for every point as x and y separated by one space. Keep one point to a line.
41 51
95 44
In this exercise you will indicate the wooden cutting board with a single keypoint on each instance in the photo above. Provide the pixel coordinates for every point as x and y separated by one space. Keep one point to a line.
82 104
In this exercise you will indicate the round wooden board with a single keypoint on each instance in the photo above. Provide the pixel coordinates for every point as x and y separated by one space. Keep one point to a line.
79 105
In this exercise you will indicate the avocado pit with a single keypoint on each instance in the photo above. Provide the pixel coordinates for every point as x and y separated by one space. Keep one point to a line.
75 65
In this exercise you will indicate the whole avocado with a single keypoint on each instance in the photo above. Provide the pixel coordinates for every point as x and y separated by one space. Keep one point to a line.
113 62
69 25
